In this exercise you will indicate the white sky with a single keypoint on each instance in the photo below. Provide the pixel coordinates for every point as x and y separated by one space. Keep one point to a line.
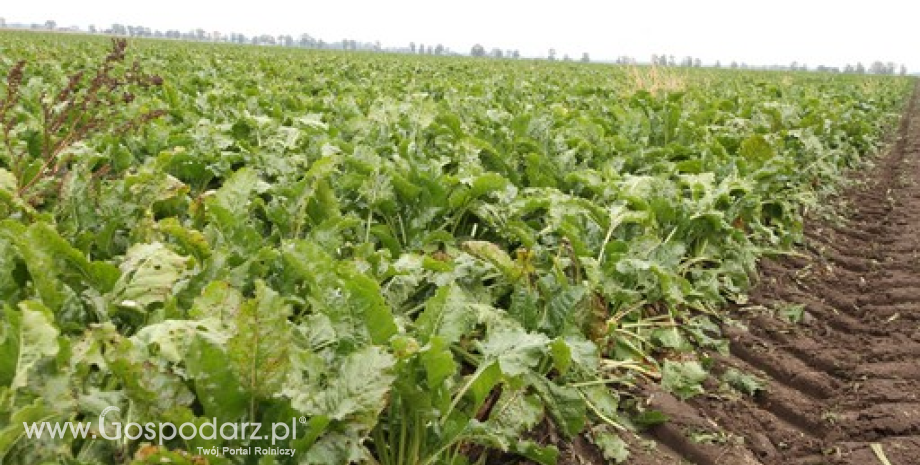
778 31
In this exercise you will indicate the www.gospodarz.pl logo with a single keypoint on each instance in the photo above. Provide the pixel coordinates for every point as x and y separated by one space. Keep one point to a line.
162 432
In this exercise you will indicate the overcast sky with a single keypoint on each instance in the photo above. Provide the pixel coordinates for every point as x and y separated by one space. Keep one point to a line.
778 31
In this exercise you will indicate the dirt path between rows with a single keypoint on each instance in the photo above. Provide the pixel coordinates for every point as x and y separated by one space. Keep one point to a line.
843 383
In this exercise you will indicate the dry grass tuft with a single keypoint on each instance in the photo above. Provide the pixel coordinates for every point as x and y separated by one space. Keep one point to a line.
655 79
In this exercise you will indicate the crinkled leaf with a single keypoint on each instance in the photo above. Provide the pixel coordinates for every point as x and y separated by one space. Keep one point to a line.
683 379
315 333
671 338
336 448
364 296
448 315
516 351
218 300
355 388
170 340
149 272
350 299
259 348
561 307
563 403
37 339
234 195
153 389
515 413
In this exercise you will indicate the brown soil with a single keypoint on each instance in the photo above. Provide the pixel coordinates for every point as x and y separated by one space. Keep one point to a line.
846 376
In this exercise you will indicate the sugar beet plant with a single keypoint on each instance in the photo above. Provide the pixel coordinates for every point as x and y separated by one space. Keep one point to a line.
426 260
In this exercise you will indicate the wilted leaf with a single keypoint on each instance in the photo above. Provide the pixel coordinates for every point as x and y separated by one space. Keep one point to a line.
611 445
743 382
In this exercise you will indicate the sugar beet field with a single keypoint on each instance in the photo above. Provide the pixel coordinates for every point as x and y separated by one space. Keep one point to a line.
430 260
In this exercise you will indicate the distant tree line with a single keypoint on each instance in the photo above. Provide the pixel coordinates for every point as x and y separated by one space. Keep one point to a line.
479 51
308 41
877 67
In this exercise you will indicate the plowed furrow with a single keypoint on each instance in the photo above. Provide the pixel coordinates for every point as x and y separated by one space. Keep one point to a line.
847 375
